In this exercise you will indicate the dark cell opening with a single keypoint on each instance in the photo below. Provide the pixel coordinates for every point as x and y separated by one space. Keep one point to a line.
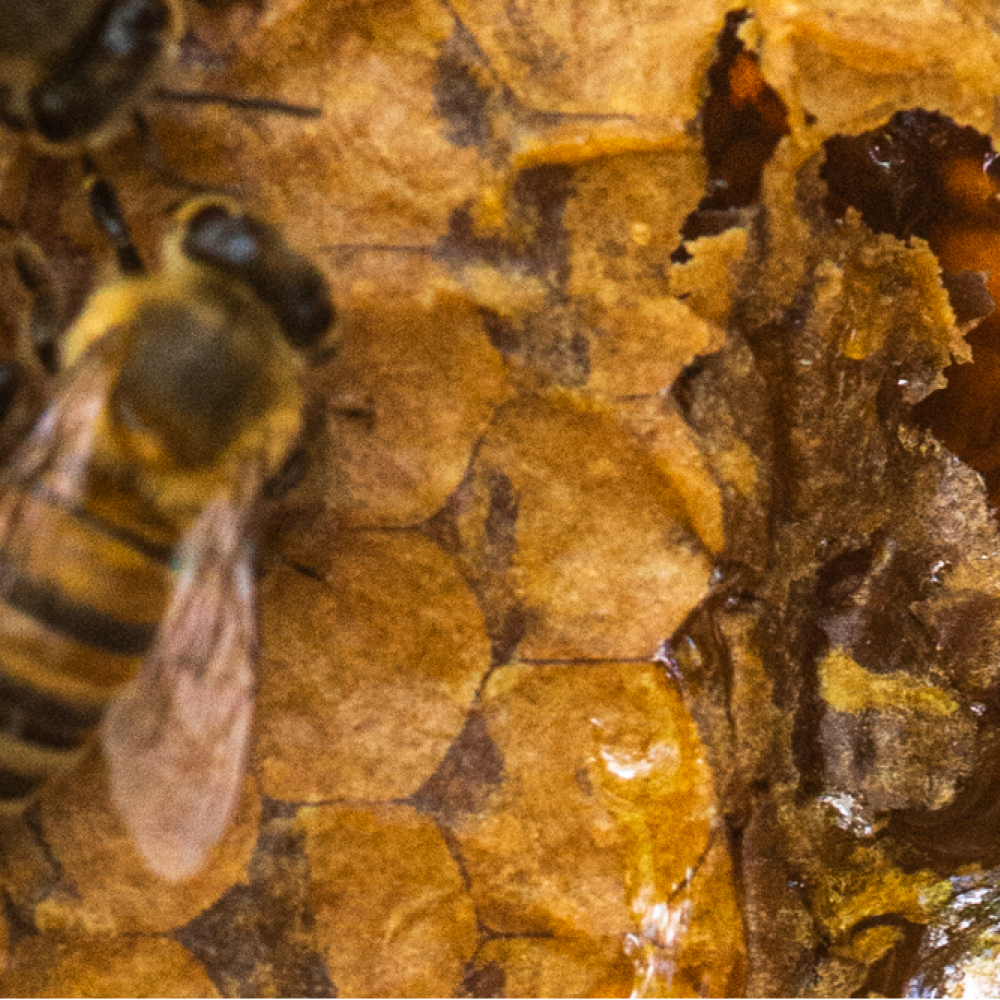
912 175
922 174
742 121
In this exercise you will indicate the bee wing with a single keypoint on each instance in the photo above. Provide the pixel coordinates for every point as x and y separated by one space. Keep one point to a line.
176 738
55 455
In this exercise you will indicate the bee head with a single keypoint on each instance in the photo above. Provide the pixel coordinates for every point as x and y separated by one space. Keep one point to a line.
253 252
106 68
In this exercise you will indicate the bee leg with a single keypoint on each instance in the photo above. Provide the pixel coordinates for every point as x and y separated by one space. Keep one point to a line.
156 161
108 215
353 407
154 155
47 321
10 381
291 473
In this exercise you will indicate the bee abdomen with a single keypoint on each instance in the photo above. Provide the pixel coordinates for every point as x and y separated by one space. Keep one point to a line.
77 617
78 622
24 766
49 721
40 735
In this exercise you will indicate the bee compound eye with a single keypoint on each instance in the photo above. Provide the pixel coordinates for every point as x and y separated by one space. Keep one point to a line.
253 252
218 237
134 26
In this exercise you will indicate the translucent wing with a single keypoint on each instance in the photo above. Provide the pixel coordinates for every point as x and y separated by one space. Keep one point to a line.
51 463
176 737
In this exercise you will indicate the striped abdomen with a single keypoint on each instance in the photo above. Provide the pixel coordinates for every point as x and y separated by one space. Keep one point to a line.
81 602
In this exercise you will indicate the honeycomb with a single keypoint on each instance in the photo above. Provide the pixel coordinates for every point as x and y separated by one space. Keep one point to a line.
630 629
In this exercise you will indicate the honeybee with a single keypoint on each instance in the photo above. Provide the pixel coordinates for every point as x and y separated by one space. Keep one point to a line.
126 576
73 71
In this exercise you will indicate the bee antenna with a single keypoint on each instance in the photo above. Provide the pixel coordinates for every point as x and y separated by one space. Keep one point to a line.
107 213
237 101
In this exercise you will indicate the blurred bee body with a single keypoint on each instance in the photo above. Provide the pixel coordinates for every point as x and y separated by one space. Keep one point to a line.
124 524
81 607
73 71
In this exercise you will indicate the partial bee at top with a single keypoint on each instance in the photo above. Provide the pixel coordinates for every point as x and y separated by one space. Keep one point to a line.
73 72
76 75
